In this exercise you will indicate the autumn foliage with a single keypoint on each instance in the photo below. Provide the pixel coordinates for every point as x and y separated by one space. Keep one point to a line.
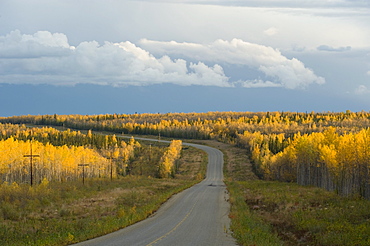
324 159
167 165
329 150
54 162
60 156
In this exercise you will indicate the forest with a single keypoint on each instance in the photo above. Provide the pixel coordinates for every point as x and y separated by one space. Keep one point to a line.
329 149
32 154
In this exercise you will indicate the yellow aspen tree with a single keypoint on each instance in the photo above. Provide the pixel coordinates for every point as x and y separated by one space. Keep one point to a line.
328 158
346 161
167 165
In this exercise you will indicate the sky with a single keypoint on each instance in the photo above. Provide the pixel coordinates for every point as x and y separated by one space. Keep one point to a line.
120 56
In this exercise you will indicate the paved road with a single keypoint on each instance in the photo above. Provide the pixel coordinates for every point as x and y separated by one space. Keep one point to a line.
196 216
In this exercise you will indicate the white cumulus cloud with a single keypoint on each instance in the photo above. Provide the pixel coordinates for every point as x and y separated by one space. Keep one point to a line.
257 83
281 71
48 58
42 43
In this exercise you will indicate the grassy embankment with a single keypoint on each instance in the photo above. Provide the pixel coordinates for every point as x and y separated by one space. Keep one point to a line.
276 213
65 213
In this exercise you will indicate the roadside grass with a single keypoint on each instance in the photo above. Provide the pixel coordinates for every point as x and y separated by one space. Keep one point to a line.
66 213
247 227
309 215
277 213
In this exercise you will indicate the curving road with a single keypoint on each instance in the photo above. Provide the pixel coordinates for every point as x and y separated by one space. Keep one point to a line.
196 216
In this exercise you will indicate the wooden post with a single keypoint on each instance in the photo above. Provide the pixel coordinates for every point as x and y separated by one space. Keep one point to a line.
83 171
31 156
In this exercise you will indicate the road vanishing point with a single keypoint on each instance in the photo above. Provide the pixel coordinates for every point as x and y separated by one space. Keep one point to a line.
195 217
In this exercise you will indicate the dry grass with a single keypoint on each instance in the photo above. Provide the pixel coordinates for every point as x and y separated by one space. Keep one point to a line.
192 164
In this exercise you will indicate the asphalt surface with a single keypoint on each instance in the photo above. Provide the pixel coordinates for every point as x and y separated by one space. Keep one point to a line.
196 216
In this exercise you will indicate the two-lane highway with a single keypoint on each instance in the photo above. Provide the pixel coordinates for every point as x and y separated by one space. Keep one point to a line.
196 216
